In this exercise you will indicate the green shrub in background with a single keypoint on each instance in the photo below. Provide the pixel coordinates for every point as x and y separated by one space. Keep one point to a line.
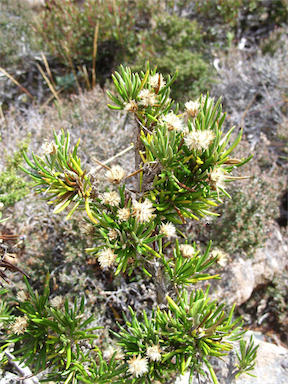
129 32
176 43
68 31
13 187
232 13
182 166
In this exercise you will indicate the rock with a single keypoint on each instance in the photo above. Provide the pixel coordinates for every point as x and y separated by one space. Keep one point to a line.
270 260
241 277
271 365
35 3
9 378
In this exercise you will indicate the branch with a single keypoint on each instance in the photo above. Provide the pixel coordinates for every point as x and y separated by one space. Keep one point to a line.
24 371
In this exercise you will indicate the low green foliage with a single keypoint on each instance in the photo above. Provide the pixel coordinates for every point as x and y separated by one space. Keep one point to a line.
246 357
13 187
51 331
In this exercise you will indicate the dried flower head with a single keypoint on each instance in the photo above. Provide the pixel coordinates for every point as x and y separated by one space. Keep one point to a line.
123 214
23 296
115 174
154 353
49 148
112 234
222 258
86 228
173 122
199 139
143 212
111 198
147 98
157 82
217 178
94 185
109 352
20 325
137 365
57 302
106 257
187 250
168 229
131 106
192 108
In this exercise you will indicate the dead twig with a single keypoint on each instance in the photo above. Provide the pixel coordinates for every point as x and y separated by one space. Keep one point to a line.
16 82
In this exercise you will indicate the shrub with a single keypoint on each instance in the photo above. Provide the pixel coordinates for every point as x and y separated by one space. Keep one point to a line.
177 43
181 170
13 187
129 32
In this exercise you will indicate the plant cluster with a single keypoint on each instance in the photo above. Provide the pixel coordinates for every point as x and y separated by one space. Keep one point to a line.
232 15
12 186
182 165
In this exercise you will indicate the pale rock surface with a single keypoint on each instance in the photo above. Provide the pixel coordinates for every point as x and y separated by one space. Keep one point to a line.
271 366
35 3
241 276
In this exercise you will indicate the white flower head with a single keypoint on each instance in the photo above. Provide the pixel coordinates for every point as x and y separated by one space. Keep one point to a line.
115 174
222 257
173 122
23 296
199 139
157 82
1 205
137 365
192 108
106 257
112 234
131 106
187 250
109 352
49 148
143 212
147 98
168 230
111 198
217 178
57 302
123 214
20 325
154 353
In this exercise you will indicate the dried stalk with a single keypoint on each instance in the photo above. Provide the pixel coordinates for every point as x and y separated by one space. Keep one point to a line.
94 55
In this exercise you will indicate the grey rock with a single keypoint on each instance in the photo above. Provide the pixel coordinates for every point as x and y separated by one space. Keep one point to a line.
241 277
271 366
9 378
